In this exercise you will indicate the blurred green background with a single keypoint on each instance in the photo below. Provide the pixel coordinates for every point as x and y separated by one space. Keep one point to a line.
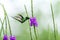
43 14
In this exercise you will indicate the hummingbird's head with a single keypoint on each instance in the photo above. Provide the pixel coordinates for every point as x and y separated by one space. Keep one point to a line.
27 18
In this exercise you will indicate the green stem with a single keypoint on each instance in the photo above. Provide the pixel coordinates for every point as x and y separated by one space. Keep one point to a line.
28 22
30 33
6 25
53 20
33 16
2 29
26 10
32 7
9 25
35 32
5 13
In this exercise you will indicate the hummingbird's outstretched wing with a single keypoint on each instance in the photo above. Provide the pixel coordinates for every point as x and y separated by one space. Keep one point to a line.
20 18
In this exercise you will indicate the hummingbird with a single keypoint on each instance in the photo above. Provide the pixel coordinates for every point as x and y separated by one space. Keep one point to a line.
20 18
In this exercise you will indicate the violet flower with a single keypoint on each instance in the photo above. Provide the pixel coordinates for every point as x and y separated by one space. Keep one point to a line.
12 38
5 37
33 21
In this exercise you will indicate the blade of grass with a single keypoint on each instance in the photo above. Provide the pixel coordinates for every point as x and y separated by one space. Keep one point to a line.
53 20
2 29
9 26
32 8
33 16
35 33
28 21
57 38
5 13
6 25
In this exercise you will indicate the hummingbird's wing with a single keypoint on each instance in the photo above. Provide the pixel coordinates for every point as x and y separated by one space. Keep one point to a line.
20 18
17 19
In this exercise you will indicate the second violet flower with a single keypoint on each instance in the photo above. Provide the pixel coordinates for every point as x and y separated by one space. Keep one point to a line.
33 21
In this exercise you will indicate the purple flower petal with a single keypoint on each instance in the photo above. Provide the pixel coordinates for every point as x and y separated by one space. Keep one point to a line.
12 38
33 21
5 37
31 24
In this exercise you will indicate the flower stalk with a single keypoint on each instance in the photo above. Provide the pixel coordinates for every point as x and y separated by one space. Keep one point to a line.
53 20
32 7
33 16
28 22
2 29
6 25
6 20
6 16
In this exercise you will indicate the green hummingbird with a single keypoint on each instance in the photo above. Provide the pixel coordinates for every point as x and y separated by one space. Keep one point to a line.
20 18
